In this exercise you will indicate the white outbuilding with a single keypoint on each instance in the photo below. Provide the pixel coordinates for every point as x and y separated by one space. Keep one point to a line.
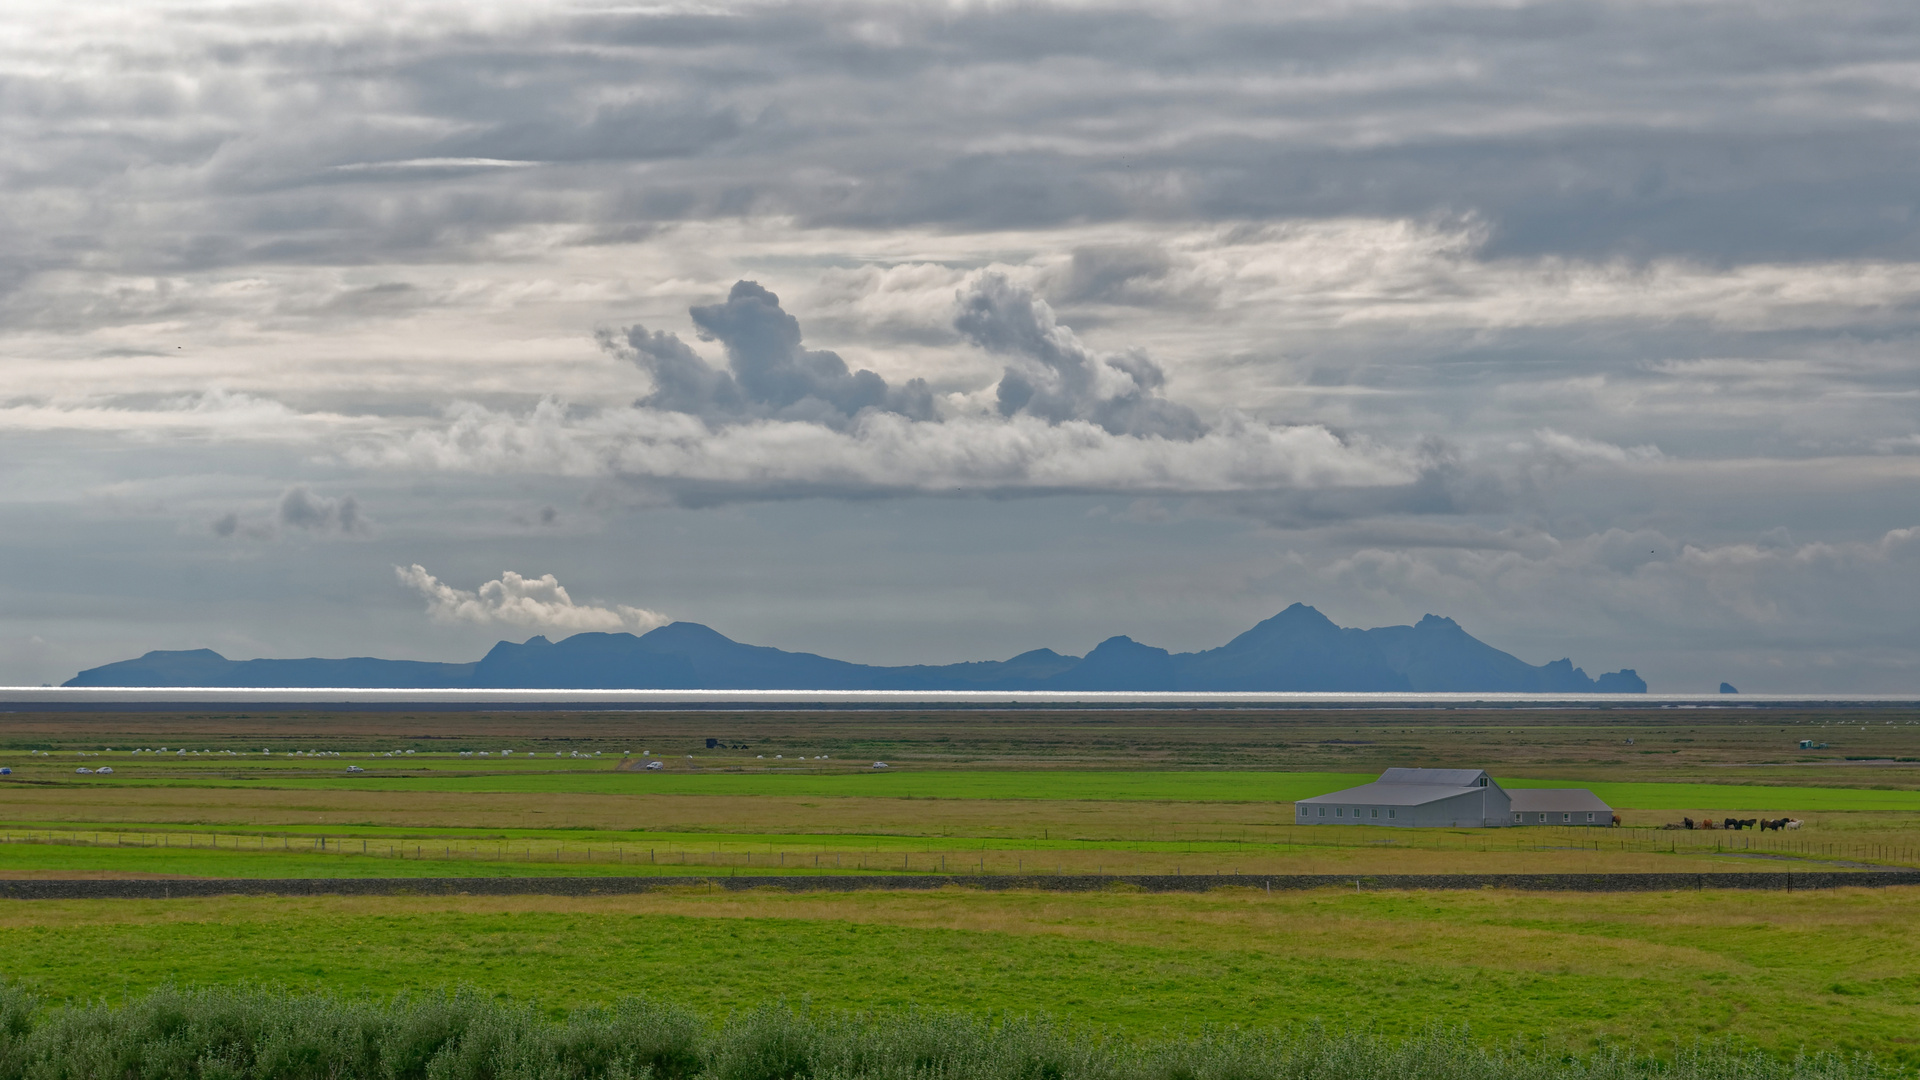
1558 806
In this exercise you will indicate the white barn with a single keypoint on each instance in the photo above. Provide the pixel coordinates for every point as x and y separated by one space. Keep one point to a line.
1450 798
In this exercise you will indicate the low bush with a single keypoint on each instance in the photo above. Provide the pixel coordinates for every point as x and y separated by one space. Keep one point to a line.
257 1034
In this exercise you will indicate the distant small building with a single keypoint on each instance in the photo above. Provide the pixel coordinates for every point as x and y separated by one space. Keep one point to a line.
1450 798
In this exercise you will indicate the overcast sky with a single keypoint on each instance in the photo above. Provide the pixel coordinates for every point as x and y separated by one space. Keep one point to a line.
913 333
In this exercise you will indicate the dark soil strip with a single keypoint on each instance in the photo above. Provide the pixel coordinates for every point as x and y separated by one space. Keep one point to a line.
123 889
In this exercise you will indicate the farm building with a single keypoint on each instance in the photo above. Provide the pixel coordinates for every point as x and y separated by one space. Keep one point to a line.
1450 798
1558 806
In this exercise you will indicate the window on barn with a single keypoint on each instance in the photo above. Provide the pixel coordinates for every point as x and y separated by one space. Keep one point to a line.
1517 815
1566 817
1543 819
1339 811
1375 812
1389 811
1589 815
1323 811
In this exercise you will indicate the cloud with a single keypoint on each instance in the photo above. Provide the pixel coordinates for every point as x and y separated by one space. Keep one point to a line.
1054 376
229 525
1342 268
882 453
770 375
301 509
782 420
298 509
212 415
540 603
1765 588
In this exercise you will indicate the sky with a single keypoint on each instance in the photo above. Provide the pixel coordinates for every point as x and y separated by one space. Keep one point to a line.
932 332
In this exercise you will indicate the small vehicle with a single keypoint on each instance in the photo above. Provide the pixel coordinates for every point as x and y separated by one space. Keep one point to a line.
355 768
656 766
104 770
879 764
6 772
83 769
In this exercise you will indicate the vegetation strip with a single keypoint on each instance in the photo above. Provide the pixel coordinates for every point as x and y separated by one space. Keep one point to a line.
146 889
264 1034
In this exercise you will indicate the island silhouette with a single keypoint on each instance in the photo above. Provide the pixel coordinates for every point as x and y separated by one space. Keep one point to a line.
1299 649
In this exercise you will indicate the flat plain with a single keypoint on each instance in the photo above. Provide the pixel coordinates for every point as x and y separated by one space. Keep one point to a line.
1055 791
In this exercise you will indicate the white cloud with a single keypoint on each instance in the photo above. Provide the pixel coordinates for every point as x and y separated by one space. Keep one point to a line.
884 452
209 415
511 599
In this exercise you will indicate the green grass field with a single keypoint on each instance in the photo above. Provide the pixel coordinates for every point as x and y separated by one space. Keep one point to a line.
204 820
1025 794
1832 971
1163 786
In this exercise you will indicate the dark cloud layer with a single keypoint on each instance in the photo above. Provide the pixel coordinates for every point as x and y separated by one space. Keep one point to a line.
1589 128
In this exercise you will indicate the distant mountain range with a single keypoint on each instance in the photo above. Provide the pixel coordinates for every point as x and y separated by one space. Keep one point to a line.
1296 650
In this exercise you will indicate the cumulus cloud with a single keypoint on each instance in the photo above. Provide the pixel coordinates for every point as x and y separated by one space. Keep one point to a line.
769 372
1051 374
539 603
781 420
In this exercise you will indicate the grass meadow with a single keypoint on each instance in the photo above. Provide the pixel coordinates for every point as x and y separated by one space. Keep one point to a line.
1026 784
1828 971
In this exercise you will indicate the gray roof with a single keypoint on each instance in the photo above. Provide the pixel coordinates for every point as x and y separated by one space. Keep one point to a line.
1380 793
1555 800
1448 777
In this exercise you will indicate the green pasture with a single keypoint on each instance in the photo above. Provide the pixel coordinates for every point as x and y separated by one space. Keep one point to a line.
1740 797
1834 971
55 859
904 783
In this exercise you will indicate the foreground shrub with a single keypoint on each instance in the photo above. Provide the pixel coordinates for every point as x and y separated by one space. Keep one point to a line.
253 1034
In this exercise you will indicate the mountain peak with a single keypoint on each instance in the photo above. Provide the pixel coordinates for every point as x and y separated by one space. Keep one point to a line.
686 633
1122 645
